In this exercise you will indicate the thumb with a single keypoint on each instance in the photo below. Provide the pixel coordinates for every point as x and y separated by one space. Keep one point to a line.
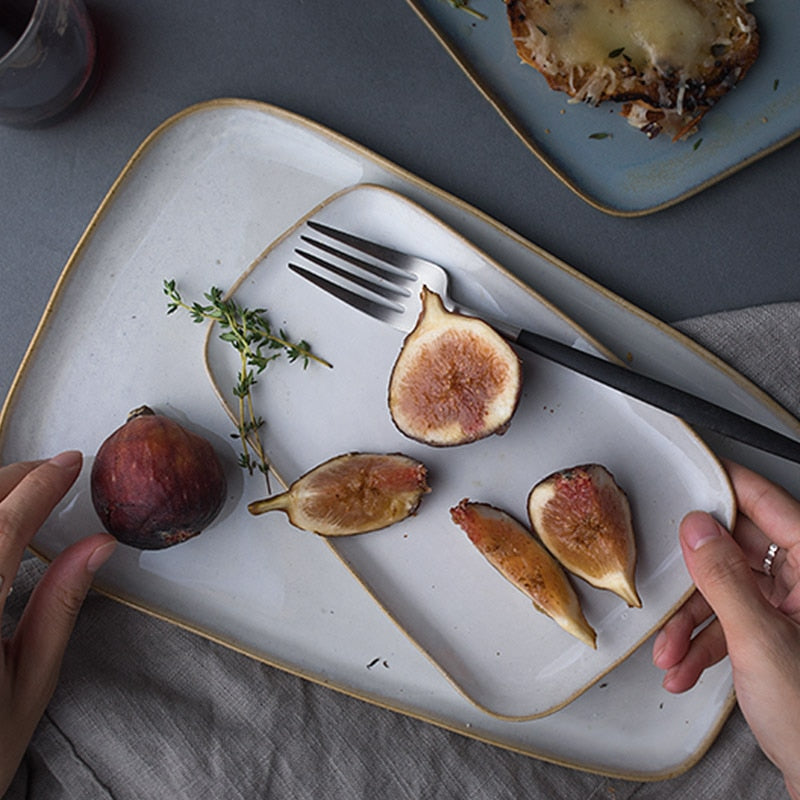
46 625
722 575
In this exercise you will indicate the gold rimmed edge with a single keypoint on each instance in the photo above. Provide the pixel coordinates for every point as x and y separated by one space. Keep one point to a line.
530 142
413 180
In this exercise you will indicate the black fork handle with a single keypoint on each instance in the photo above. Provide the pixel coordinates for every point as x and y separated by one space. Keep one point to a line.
689 407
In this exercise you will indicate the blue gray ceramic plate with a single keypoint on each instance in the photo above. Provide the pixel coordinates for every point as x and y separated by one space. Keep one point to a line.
622 172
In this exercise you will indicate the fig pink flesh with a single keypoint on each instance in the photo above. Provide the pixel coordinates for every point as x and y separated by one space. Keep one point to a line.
352 493
584 519
519 557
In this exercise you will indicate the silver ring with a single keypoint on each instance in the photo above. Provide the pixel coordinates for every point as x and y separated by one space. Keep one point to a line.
769 559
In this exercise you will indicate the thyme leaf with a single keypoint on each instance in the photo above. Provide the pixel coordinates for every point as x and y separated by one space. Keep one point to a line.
465 6
249 332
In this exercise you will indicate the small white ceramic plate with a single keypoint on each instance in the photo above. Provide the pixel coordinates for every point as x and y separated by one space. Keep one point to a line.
482 632
623 172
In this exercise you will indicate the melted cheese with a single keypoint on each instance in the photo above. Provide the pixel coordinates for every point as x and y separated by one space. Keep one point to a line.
663 33
668 60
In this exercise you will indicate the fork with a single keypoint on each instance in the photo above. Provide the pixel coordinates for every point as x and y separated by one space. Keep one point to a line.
389 292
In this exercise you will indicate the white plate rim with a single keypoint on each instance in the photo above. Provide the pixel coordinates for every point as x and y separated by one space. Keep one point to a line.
625 309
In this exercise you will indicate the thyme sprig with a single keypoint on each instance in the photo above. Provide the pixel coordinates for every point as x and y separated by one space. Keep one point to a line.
465 6
251 335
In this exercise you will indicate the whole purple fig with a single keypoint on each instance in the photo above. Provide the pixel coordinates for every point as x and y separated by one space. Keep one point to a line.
155 484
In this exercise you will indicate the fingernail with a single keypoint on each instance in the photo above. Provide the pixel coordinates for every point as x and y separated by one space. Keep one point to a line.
668 681
699 528
69 459
100 555
658 646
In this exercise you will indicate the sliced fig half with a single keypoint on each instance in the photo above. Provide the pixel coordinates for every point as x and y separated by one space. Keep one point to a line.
352 493
455 380
511 548
584 519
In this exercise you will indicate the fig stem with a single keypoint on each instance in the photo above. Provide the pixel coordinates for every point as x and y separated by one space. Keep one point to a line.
278 502
141 411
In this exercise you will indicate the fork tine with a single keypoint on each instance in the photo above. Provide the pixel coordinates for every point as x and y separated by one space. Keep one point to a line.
386 272
388 290
381 252
384 313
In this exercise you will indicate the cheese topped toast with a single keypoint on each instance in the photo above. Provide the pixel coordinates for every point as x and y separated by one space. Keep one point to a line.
668 61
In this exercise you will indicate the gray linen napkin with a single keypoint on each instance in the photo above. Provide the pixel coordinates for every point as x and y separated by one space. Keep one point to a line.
146 710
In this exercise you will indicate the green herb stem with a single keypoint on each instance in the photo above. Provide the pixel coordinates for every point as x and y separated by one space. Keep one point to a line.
248 331
464 6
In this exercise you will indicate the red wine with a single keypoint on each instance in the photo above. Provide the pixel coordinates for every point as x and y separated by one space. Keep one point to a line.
50 67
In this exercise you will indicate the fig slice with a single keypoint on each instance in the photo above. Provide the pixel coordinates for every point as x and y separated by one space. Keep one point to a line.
455 379
352 493
584 519
511 549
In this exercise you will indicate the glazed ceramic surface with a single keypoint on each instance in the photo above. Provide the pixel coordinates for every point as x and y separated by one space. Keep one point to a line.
482 632
594 150
200 201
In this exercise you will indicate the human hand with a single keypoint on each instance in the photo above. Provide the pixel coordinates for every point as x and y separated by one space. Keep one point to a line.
30 661
757 620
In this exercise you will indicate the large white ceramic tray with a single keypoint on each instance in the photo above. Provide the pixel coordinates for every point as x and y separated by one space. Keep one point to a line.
597 154
199 201
484 634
